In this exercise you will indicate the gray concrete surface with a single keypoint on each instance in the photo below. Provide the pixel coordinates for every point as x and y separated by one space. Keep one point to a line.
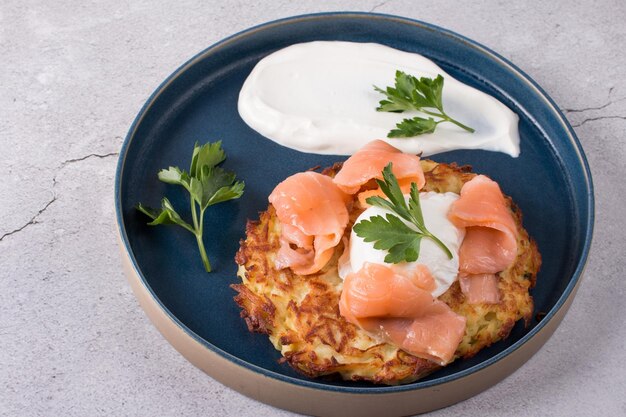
73 75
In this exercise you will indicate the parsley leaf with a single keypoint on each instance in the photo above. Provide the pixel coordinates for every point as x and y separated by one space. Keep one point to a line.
390 232
411 93
416 126
207 184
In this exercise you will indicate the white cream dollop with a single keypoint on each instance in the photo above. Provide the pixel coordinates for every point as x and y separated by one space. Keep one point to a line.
318 97
435 207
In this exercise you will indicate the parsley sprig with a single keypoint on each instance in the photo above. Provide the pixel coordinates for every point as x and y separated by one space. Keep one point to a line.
389 232
420 94
207 184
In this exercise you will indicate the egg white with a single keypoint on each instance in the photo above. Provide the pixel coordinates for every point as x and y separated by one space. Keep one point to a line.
435 207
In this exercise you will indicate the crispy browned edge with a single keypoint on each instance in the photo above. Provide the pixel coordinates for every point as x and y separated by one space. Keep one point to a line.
269 302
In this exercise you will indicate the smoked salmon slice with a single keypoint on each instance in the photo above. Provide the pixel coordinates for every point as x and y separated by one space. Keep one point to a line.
394 307
422 277
490 244
480 288
369 161
313 215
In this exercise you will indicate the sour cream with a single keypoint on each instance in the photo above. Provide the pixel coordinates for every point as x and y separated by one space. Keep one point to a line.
435 207
318 97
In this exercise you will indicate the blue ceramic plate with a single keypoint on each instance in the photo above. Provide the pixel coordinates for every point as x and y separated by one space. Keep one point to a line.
550 181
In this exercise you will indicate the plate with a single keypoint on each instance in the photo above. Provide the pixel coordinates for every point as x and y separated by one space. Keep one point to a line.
195 311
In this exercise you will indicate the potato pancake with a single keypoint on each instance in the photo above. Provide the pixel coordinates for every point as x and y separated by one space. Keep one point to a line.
301 313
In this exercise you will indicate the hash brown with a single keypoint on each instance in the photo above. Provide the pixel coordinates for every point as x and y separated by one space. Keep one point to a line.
301 314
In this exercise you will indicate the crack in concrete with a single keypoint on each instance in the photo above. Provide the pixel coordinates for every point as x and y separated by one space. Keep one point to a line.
377 6
91 155
32 221
593 119
604 106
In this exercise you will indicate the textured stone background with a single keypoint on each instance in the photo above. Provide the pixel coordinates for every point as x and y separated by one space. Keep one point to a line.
73 340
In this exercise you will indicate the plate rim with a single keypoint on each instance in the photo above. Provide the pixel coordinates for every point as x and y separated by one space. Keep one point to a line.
577 147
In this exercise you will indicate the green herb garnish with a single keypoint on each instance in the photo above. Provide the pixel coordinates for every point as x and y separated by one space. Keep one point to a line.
389 232
207 185
421 94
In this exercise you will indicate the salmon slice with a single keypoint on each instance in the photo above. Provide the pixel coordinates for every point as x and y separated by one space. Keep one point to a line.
423 278
480 288
490 243
293 234
369 161
395 308
293 257
313 215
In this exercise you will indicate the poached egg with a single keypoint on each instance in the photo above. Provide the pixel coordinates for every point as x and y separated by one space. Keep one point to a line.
435 207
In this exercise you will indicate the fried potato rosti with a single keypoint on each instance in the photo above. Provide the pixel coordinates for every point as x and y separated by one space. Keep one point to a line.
300 314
